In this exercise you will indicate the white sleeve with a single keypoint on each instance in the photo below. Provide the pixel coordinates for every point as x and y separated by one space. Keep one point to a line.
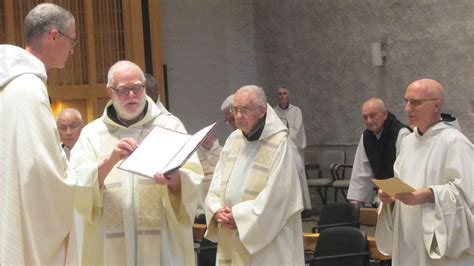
401 135
449 222
360 187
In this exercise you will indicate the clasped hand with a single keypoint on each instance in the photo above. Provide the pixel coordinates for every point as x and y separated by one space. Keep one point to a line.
225 218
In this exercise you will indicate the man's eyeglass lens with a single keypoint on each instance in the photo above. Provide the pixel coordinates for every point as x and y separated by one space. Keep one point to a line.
71 40
123 91
416 102
242 110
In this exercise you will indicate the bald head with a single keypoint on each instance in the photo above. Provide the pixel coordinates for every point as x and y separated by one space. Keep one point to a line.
283 95
374 114
430 88
424 100
375 103
70 112
69 124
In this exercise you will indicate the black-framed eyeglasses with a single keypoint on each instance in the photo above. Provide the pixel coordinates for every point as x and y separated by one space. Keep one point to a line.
416 102
124 91
72 41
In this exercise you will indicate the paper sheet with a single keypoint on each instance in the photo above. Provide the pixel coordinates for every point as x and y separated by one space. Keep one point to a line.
393 185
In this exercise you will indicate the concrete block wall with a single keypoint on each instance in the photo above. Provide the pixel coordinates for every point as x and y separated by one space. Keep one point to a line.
209 49
320 49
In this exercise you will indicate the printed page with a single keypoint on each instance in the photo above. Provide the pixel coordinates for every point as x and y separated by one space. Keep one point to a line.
190 147
393 185
155 152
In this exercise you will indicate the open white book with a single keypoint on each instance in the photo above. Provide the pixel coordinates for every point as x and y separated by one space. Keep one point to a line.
164 150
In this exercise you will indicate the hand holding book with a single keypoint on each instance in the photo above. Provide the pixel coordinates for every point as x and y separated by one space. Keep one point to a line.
164 151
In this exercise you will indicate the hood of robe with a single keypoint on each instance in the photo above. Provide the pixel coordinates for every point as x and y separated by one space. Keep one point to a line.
273 124
152 111
290 106
433 130
17 61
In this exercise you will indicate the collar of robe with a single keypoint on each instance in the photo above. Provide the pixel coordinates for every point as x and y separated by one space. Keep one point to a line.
255 134
284 108
421 133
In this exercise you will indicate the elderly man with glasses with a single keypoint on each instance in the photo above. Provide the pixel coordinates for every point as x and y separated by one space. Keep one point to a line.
377 150
69 124
133 219
253 206
434 225
36 205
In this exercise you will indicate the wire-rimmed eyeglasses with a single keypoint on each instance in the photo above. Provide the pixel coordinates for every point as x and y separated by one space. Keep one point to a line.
72 41
416 102
243 110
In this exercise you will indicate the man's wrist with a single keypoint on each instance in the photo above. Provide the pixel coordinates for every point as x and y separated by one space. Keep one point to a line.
430 195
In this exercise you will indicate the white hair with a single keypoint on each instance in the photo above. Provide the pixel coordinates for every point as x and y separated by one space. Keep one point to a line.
260 99
123 65
44 17
227 102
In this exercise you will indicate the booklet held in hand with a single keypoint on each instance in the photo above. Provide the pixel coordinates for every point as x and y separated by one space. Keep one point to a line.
163 151
393 185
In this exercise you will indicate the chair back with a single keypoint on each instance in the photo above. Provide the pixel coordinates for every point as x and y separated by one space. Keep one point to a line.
206 253
340 171
341 246
328 159
338 214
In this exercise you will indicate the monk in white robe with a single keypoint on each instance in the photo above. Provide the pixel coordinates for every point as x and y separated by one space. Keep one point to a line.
132 220
382 137
254 203
435 224
292 118
36 197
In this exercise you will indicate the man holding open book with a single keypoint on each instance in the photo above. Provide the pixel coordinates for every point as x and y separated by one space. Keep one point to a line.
133 219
